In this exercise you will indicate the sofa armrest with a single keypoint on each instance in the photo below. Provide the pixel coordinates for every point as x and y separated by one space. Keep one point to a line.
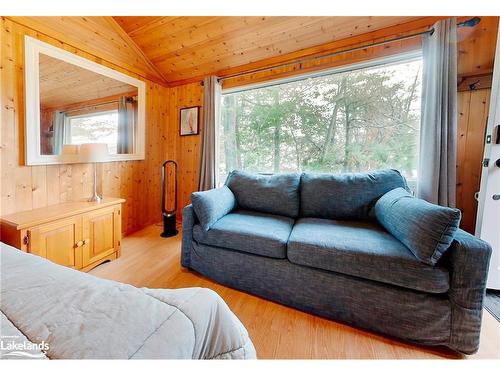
467 260
211 205
188 222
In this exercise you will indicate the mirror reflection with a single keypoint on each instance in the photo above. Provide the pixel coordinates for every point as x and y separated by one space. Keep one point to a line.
80 106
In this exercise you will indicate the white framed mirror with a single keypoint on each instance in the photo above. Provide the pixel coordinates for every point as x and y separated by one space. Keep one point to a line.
70 100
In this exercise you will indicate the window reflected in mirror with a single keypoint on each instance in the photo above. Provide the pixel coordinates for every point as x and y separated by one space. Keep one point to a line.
80 106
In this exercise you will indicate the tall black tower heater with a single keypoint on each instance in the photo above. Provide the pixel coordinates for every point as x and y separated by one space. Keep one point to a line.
169 217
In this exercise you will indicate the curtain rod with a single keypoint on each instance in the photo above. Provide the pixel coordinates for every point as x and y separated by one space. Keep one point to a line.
468 23
130 99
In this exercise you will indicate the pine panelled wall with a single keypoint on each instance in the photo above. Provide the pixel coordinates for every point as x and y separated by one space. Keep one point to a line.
184 149
28 187
476 54
473 108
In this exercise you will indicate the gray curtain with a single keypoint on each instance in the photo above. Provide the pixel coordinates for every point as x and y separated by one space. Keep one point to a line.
59 131
126 121
438 137
211 115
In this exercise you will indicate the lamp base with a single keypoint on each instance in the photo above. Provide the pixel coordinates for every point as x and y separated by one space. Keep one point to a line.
95 198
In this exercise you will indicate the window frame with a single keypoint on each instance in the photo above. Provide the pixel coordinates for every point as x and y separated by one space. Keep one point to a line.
371 63
67 122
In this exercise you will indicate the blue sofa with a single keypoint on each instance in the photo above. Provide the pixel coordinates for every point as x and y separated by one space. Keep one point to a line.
356 248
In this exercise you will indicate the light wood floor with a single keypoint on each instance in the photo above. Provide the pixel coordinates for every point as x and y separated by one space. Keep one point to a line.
277 331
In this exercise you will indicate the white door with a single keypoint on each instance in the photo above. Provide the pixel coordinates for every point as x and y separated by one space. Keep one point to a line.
488 219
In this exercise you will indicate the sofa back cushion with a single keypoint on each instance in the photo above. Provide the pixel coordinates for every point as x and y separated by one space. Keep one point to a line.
274 194
211 205
345 196
425 228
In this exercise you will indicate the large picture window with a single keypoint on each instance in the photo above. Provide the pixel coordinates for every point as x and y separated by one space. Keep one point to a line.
360 118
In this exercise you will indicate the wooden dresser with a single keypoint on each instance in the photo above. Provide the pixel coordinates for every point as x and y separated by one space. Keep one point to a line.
79 235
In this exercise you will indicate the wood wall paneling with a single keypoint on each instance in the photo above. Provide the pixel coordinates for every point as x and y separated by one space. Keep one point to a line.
476 56
27 187
476 47
473 112
184 149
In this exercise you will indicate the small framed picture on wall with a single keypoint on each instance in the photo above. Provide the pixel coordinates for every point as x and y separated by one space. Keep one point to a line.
190 118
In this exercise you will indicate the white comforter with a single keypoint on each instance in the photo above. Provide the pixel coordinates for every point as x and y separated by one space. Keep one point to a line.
81 316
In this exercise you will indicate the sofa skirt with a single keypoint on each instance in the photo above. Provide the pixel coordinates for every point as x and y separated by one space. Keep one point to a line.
419 317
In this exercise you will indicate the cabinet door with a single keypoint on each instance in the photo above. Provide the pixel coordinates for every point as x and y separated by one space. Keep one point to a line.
101 230
59 241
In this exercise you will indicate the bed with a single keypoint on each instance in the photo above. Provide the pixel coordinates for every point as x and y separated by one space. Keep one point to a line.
54 312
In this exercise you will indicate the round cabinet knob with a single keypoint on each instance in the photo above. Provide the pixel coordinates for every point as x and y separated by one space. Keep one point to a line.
79 243
497 163
496 197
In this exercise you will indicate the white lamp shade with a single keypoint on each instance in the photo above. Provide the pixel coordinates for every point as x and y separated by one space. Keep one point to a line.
93 152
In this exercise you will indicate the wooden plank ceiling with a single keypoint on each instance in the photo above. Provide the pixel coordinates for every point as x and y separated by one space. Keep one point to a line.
184 48
63 84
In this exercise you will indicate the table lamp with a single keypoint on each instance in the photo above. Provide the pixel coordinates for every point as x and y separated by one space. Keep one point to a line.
70 153
94 153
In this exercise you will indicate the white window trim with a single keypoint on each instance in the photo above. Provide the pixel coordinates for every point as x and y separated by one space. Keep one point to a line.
387 60
92 114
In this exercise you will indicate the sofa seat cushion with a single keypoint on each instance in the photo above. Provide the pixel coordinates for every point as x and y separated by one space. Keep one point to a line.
250 232
362 249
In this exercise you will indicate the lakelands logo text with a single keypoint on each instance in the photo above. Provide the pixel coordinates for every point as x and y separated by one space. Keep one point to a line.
26 349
